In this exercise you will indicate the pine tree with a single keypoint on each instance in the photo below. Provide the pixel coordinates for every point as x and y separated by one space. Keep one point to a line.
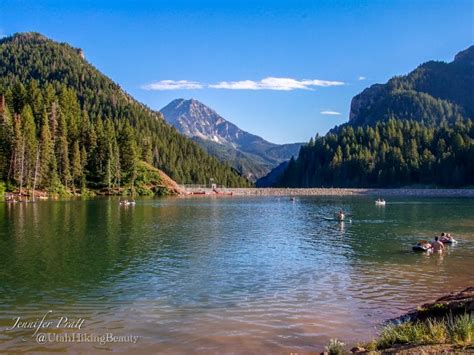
76 167
48 166
30 144
62 152
6 138
128 154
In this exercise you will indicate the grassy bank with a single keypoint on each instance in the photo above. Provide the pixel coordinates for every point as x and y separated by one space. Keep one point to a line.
446 325
455 330
451 334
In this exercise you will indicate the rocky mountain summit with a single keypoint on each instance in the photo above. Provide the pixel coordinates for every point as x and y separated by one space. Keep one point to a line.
250 154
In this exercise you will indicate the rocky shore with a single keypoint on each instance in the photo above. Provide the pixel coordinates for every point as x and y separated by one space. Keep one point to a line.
328 192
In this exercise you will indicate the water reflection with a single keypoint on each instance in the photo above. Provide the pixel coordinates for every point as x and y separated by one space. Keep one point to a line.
256 274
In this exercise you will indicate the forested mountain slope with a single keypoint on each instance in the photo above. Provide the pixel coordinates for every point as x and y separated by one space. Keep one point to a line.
416 129
433 92
65 122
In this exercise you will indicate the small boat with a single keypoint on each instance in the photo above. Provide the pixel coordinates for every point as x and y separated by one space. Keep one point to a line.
380 202
422 245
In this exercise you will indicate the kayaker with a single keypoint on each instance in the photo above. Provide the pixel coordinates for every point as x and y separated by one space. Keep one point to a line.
437 245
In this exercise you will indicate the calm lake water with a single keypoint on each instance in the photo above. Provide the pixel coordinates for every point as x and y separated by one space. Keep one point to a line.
225 275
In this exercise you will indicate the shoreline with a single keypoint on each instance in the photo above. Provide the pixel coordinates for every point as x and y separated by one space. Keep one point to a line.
376 192
446 307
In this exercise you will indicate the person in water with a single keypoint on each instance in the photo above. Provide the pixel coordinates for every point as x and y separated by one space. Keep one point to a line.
340 215
437 245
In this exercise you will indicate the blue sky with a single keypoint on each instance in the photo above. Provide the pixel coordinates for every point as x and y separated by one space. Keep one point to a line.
279 69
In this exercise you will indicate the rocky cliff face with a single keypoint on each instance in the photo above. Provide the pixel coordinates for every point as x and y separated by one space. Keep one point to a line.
365 99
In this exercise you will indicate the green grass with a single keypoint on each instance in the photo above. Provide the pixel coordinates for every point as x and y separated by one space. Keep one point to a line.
461 329
457 330
2 188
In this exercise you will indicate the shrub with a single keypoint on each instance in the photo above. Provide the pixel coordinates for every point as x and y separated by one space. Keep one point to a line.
335 347
436 331
461 328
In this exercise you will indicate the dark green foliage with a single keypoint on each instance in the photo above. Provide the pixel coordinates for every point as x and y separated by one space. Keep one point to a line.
390 154
84 126
416 129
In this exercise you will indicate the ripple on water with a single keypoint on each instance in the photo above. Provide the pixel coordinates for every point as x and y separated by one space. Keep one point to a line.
243 274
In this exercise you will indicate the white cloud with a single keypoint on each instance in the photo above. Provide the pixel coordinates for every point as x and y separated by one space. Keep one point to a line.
360 78
330 112
173 85
271 83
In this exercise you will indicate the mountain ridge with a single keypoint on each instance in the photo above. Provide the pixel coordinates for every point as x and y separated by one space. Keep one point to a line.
254 156
58 68
416 129
433 92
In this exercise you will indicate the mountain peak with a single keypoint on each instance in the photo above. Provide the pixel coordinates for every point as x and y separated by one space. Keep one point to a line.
186 103
194 119
252 155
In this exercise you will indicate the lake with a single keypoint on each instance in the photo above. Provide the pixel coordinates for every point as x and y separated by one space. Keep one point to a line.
236 274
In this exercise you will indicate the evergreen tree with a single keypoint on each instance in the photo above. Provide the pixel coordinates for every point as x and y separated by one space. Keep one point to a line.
76 167
30 145
6 138
78 101
128 154
48 166
393 153
62 152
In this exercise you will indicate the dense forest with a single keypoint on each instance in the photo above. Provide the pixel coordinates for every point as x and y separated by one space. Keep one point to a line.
66 126
414 130
392 153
